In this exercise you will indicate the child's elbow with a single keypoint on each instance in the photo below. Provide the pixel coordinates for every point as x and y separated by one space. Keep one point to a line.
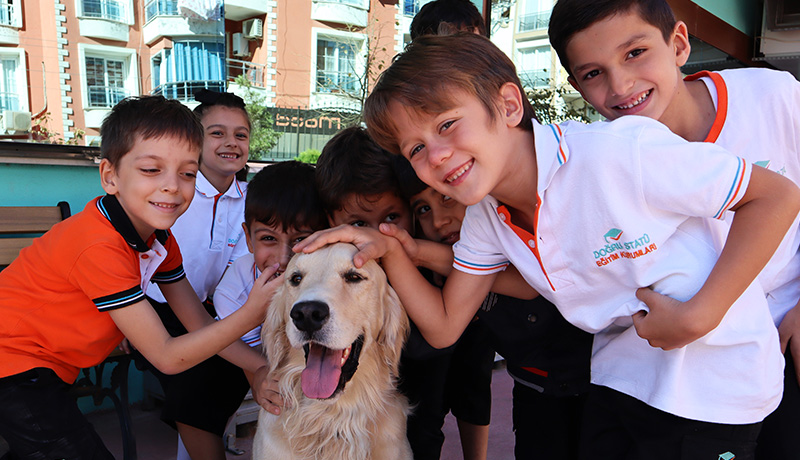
169 367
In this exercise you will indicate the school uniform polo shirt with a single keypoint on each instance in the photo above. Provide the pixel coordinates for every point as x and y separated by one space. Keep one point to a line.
618 207
210 235
233 290
55 297
758 119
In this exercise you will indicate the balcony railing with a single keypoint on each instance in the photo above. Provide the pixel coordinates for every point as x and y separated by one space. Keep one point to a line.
535 21
336 82
535 78
106 96
155 8
253 72
8 15
184 90
9 101
113 10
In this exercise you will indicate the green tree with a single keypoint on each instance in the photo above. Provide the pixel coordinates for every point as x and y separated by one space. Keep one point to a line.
309 156
557 103
262 135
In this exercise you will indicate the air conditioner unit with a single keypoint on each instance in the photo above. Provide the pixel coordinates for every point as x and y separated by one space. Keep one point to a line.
240 45
14 121
253 29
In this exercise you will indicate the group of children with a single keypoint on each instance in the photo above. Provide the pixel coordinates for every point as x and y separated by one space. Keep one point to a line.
640 287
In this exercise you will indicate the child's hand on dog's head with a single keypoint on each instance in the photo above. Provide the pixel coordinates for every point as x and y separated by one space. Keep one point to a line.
371 243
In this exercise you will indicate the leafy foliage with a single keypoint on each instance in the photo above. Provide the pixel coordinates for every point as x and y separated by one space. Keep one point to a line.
42 133
309 156
557 103
262 135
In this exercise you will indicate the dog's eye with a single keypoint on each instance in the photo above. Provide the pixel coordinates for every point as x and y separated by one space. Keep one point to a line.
352 276
296 278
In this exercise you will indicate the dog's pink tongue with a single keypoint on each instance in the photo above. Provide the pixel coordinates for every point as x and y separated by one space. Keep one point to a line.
321 375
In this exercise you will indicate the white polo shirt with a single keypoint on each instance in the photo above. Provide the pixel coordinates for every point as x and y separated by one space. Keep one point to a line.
758 119
233 290
614 215
210 235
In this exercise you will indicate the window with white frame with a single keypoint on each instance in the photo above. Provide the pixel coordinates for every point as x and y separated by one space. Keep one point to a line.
113 10
534 66
10 14
108 75
357 3
535 15
338 64
12 82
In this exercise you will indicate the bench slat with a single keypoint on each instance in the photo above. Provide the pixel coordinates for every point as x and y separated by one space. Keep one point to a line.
28 219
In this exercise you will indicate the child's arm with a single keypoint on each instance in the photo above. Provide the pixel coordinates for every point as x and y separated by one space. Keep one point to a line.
790 337
440 314
438 257
761 219
143 328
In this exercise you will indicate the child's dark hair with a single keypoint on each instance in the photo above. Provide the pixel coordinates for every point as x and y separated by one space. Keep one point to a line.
352 163
430 75
456 14
284 194
149 117
572 16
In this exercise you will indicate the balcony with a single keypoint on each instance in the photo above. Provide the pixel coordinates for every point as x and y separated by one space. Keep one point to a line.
239 10
254 73
535 21
162 19
106 19
105 96
348 12
184 90
10 23
535 78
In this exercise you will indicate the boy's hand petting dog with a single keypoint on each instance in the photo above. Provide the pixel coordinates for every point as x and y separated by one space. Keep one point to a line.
670 323
266 393
371 243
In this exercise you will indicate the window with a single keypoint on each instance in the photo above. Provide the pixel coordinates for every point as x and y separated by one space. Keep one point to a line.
9 94
189 66
358 3
536 15
534 66
9 13
410 7
105 81
337 67
112 10
155 8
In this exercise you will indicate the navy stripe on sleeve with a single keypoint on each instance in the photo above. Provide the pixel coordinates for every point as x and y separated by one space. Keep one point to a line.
120 299
171 276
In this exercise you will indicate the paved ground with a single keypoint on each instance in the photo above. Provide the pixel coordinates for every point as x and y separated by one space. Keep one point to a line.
157 441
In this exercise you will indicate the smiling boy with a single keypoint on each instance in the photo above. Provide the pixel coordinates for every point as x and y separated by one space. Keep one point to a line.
69 299
624 56
543 197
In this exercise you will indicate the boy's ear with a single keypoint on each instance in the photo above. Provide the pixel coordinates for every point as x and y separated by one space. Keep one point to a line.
680 43
574 83
511 104
247 237
108 177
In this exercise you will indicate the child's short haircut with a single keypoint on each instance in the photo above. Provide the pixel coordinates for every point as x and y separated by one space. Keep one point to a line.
148 117
352 163
572 16
428 75
284 194
456 14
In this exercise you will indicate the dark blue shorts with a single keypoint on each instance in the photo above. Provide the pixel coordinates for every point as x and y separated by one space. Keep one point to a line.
40 420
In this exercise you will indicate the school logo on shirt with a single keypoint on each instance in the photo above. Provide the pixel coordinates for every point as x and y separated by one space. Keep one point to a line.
616 248
766 163
727 456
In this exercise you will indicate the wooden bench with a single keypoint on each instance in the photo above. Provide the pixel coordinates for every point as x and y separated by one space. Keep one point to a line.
19 225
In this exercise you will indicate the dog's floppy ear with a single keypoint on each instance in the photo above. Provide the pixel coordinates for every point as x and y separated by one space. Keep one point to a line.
395 326
273 333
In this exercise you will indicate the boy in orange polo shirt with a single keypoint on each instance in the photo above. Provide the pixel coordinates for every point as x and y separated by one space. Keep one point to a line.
69 299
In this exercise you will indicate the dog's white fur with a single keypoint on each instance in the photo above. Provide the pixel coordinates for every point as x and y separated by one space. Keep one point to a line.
367 420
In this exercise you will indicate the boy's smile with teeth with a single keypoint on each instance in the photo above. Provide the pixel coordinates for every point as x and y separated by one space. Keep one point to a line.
459 172
642 97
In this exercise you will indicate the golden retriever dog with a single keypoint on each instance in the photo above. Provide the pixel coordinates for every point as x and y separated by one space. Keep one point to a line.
333 336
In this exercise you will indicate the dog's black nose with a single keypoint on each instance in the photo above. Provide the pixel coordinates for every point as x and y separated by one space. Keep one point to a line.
309 316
